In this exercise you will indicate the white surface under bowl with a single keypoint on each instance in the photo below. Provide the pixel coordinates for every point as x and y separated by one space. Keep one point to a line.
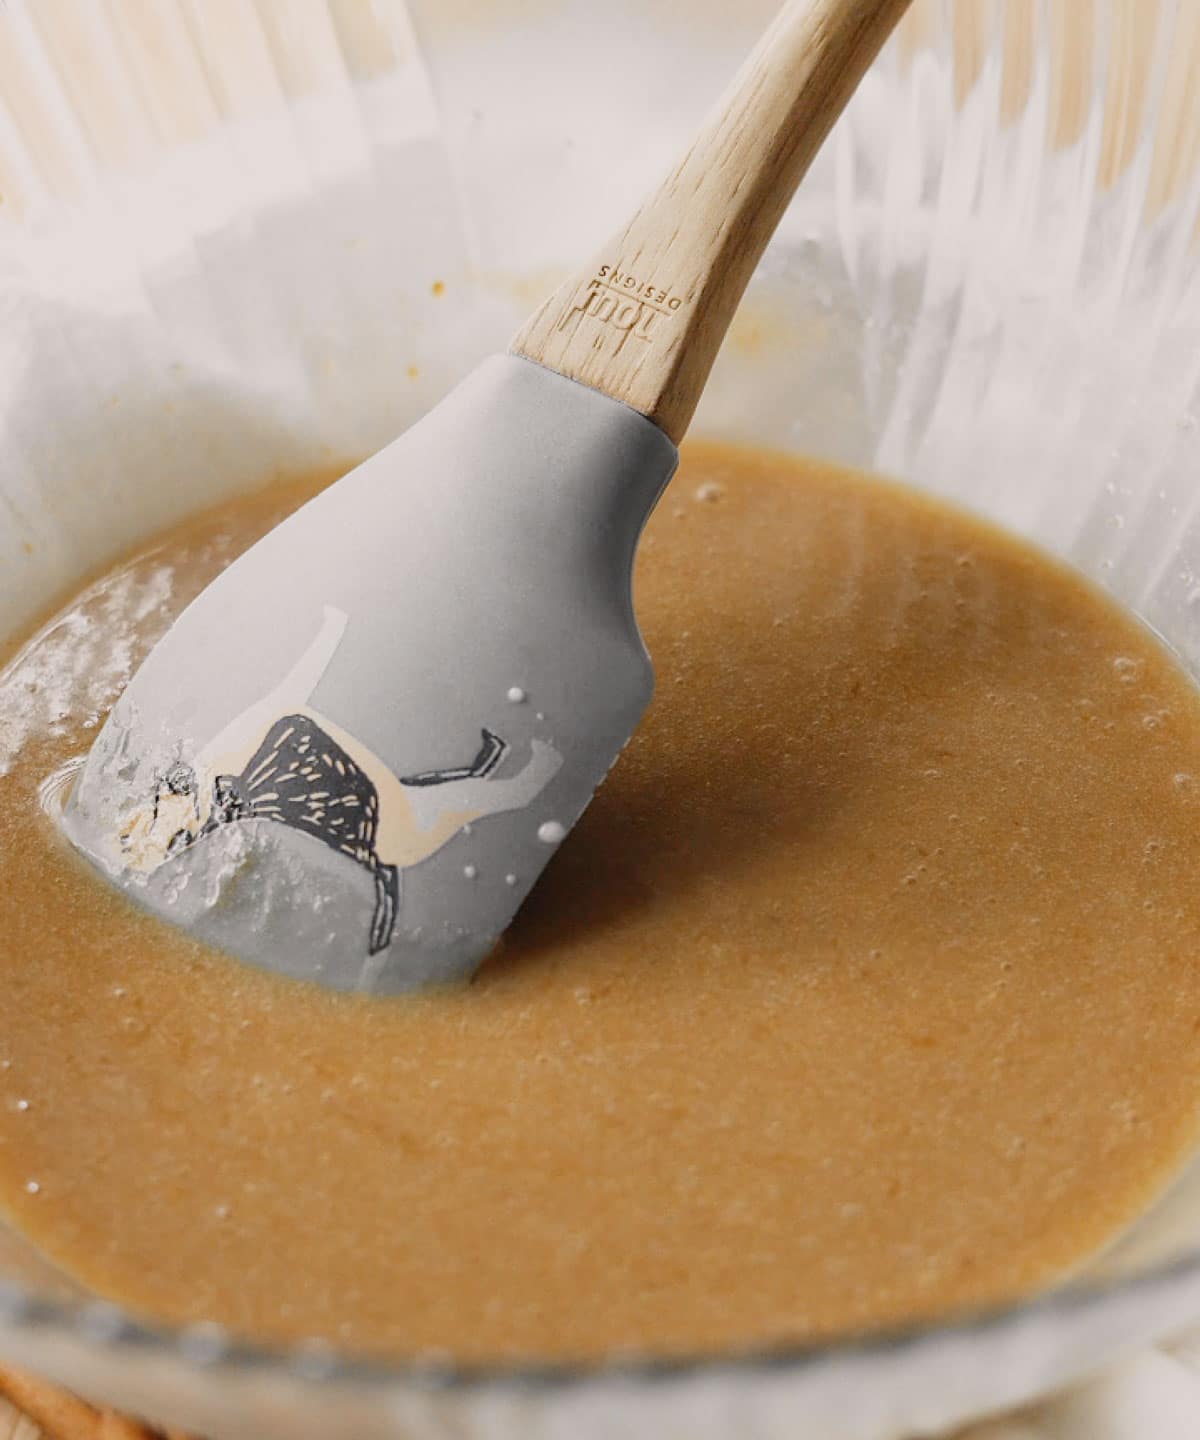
239 238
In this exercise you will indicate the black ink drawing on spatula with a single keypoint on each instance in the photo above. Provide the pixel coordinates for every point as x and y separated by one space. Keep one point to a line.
283 761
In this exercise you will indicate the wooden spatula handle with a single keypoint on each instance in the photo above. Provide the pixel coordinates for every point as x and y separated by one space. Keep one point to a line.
644 322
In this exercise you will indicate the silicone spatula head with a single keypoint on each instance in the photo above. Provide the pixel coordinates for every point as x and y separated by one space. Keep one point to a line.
350 758
354 752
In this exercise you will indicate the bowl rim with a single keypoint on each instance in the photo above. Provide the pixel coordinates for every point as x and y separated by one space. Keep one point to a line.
206 1347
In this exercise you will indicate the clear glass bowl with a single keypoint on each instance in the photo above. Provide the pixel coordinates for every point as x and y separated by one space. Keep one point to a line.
241 238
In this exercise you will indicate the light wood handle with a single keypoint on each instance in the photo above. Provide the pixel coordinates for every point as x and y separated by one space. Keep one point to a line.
644 322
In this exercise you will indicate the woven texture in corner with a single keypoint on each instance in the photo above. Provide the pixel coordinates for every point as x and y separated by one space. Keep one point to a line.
31 1409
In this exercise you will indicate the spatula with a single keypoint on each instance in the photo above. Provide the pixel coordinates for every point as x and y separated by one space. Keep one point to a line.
351 756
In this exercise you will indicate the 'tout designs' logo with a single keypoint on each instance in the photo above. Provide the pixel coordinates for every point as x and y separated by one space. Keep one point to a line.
617 298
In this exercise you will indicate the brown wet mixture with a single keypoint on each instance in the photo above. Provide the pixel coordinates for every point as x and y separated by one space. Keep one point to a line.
869 985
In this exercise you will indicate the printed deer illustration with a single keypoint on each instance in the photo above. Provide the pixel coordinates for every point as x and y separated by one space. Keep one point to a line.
282 760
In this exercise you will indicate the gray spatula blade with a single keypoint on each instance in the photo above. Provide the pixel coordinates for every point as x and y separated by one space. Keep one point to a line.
352 755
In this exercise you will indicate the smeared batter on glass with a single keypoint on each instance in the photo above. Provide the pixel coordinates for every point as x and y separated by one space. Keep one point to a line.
869 985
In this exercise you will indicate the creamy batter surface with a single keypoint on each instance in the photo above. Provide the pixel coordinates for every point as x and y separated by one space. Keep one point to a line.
869 985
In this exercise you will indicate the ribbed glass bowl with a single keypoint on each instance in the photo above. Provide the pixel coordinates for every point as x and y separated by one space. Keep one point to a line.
238 238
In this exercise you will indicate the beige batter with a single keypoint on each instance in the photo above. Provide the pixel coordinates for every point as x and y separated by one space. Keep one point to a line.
868 986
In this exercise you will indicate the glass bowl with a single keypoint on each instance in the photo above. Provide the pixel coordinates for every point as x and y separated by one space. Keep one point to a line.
239 239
